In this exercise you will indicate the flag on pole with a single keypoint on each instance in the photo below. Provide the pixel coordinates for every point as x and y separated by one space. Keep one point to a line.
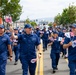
8 19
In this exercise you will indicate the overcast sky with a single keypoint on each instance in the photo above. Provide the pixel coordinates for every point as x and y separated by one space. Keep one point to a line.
35 9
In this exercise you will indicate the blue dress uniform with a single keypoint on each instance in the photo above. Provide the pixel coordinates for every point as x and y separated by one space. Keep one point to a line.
71 55
4 41
28 51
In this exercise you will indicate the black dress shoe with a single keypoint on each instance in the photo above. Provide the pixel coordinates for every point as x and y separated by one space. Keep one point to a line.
43 50
54 71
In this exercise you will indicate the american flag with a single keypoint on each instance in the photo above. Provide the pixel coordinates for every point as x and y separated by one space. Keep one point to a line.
8 19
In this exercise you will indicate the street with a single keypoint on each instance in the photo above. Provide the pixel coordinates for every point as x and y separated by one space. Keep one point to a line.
43 67
62 67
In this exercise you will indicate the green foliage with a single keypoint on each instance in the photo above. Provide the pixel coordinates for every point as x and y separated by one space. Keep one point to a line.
11 7
68 16
65 16
50 24
57 19
72 14
33 24
27 21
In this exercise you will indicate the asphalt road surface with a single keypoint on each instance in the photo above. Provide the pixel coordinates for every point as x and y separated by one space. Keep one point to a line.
43 68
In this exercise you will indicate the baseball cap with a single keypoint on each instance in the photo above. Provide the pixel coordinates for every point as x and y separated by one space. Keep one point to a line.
73 26
2 26
27 26
15 28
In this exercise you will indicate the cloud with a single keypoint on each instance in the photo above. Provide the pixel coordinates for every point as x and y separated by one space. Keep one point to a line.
43 8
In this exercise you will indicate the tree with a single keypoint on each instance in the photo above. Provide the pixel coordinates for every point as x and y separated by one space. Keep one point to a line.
50 24
71 14
11 7
57 19
27 21
65 16
33 24
68 16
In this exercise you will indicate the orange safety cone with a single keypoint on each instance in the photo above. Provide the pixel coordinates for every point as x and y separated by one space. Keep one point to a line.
1 22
